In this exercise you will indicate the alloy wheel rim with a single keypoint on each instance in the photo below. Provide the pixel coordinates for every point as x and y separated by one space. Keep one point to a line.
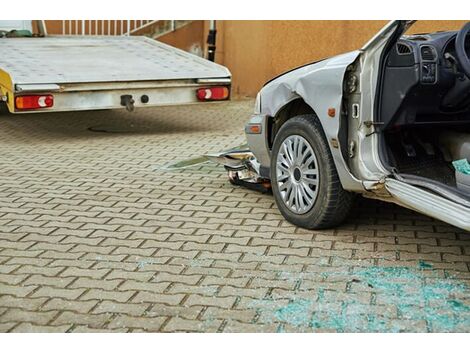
297 174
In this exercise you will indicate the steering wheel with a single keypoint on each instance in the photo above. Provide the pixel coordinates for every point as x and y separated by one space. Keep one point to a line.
460 52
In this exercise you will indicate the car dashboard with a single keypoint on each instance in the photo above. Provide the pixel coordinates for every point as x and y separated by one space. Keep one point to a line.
419 75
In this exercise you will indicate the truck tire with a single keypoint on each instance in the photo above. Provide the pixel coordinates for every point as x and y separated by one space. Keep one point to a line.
3 108
304 179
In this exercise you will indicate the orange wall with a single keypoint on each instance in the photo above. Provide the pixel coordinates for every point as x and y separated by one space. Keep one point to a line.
255 51
190 37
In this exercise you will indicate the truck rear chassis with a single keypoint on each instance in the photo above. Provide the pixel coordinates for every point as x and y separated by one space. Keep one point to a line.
91 73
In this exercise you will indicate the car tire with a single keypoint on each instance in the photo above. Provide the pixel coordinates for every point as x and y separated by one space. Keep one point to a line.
316 199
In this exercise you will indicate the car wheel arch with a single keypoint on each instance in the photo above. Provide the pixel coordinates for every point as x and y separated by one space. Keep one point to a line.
293 108
296 107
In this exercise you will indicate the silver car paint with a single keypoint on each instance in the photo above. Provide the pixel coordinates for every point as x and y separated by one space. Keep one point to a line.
320 85
367 164
428 203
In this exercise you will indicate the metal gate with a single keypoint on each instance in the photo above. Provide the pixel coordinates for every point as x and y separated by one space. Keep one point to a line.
116 27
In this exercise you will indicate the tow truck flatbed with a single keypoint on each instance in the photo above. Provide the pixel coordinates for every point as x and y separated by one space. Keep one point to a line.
96 72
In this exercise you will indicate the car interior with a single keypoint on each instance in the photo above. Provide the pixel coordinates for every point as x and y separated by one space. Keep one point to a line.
424 108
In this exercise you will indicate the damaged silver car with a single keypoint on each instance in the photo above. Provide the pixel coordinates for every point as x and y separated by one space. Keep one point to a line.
390 121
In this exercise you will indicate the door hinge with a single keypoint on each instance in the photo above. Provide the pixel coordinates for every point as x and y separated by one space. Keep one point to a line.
369 124
352 149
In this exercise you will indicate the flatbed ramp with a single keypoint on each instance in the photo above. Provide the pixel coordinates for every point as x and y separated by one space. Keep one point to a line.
97 63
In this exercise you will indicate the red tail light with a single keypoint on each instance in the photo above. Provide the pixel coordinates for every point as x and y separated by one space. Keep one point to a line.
30 102
213 93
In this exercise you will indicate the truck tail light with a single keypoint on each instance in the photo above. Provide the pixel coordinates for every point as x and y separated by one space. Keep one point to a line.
30 102
212 93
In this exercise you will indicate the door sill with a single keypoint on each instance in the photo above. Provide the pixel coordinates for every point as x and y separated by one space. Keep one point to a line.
429 203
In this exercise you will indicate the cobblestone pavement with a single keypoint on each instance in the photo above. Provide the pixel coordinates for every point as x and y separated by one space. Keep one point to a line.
96 236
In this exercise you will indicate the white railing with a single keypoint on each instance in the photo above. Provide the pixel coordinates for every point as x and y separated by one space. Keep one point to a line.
109 27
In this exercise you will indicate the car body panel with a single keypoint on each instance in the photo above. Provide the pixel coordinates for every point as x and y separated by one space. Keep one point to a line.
428 203
320 85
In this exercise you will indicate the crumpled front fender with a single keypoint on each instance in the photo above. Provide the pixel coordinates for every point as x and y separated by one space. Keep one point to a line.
320 85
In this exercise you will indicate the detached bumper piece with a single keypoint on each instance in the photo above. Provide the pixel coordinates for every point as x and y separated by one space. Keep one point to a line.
246 179
242 168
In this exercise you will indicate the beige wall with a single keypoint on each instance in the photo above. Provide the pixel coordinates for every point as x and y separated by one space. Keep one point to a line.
255 51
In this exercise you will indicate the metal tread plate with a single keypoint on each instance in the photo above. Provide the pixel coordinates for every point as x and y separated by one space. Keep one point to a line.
86 59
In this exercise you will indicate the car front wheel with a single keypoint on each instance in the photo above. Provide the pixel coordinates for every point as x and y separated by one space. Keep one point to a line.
305 183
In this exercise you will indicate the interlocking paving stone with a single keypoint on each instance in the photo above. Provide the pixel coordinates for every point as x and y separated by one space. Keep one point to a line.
96 236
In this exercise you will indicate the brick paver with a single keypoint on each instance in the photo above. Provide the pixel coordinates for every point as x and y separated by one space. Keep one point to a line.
96 236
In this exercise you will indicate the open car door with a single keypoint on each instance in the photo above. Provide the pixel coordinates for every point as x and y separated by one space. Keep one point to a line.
363 102
424 197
